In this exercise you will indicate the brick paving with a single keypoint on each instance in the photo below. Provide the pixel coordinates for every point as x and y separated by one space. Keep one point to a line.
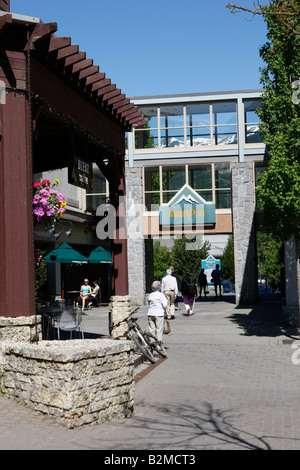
228 383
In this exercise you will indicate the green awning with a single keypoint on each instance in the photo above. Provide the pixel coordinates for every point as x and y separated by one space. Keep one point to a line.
100 255
65 254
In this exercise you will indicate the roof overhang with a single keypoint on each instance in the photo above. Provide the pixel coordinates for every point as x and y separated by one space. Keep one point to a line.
72 66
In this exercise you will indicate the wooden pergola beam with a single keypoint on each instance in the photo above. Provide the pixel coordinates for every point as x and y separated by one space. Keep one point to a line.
67 51
82 64
57 43
112 94
74 59
5 22
119 103
40 32
102 91
91 79
100 84
84 73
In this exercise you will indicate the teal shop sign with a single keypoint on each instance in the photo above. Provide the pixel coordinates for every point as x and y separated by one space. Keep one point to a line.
209 264
187 208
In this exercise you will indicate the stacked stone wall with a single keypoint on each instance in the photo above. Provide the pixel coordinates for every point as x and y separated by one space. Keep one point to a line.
21 329
76 382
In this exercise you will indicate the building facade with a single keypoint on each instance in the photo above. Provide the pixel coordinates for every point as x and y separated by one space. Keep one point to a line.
209 143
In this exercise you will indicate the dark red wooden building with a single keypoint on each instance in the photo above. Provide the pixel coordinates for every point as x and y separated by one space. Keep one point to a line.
56 104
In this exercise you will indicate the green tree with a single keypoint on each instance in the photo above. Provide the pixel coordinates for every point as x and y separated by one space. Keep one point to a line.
161 260
227 261
269 258
187 255
279 187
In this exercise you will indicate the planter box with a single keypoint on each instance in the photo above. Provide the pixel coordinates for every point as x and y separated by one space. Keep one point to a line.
78 382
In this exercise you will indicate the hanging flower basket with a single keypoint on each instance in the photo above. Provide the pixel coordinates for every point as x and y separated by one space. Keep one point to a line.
48 204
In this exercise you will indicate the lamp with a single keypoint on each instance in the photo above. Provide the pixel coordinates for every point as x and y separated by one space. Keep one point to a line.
58 234
69 232
52 230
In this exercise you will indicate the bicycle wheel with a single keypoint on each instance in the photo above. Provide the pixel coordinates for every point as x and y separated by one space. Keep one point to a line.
142 346
155 344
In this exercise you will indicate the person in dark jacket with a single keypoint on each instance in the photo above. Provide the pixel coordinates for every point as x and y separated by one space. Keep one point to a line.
189 292
202 283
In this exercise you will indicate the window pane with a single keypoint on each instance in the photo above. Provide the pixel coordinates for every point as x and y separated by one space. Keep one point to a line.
200 177
172 138
167 197
206 195
152 201
197 114
171 116
146 139
173 178
224 113
250 106
198 136
222 175
225 135
252 135
260 167
99 181
150 113
223 199
151 181
93 201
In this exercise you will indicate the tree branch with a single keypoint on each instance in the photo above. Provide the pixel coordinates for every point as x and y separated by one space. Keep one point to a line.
283 12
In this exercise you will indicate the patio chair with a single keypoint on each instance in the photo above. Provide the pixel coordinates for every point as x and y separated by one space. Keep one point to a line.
70 320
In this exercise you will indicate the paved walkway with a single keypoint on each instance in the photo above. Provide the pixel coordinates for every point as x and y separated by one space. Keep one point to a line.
229 383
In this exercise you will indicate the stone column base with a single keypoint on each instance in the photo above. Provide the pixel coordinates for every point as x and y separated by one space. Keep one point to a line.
291 315
21 329
119 308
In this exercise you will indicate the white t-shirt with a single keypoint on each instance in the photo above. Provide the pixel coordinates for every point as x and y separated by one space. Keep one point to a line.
157 304
169 283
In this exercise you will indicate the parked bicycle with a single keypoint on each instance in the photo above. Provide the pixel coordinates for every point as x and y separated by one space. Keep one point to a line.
145 341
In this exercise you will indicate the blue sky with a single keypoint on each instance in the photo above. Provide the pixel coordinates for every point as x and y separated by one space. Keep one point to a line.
161 46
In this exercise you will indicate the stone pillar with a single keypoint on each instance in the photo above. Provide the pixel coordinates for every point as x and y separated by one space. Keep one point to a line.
119 308
135 242
290 309
244 233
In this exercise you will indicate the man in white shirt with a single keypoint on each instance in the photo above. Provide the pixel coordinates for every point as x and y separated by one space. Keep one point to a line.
170 289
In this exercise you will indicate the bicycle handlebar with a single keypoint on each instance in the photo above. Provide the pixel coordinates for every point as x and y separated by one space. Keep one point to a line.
125 319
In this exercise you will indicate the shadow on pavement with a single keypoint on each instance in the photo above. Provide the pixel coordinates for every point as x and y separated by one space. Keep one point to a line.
194 427
265 319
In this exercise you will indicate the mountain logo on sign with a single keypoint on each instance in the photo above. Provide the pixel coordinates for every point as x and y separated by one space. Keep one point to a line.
190 199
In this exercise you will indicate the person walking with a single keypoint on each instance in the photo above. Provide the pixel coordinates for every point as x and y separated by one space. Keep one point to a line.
174 274
202 282
189 292
157 307
216 275
170 289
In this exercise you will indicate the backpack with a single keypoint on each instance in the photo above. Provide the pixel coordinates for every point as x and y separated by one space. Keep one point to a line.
189 287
